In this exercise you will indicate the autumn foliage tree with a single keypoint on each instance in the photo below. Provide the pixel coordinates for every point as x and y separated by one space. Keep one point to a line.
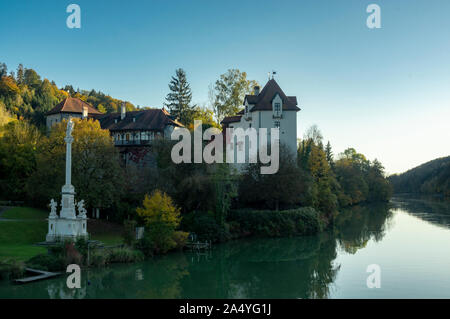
312 158
229 92
18 143
25 95
360 179
161 217
96 172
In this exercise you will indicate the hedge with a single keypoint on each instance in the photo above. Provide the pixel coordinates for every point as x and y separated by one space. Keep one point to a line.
269 223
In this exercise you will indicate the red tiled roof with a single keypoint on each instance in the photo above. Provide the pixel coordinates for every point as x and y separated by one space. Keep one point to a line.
263 101
152 120
73 105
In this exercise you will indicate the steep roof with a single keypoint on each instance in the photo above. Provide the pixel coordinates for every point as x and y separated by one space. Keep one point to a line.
73 105
231 119
152 120
263 101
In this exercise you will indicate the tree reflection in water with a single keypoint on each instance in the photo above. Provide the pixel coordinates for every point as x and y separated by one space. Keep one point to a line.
299 267
432 209
355 226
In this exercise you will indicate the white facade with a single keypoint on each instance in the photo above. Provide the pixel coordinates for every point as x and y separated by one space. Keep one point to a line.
287 124
52 119
271 116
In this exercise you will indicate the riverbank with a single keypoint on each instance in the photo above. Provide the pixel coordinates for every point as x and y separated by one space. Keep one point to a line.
242 223
22 227
405 238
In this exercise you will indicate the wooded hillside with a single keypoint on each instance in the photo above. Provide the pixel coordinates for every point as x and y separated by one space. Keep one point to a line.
432 177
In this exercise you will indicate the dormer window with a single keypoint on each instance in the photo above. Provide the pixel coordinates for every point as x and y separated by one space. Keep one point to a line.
277 106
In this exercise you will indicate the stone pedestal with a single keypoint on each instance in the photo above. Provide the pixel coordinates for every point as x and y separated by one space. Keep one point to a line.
60 229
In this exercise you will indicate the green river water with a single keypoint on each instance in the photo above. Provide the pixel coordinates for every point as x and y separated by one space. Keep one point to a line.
408 238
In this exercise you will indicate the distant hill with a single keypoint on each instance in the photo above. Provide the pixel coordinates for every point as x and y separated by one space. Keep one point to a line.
23 94
433 177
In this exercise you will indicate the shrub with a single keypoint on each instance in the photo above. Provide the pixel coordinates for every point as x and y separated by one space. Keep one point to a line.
72 255
124 255
47 262
81 245
129 232
180 238
57 250
11 270
98 258
146 246
202 224
301 221
161 217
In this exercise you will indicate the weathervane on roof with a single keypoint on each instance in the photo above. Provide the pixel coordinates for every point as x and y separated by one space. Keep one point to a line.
271 74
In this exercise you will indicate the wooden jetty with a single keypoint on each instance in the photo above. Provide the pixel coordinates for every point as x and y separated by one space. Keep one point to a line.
40 275
199 246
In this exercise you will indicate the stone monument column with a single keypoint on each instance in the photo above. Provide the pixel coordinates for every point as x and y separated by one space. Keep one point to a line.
68 225
68 191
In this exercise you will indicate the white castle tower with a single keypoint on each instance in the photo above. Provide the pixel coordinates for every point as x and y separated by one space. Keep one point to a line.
68 225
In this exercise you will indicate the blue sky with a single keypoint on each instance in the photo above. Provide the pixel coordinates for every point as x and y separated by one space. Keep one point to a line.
385 91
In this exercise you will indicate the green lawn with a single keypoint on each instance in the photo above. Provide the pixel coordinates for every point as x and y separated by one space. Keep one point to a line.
25 213
18 236
108 233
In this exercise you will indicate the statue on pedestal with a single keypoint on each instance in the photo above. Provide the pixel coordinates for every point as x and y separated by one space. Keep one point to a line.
53 206
67 225
81 210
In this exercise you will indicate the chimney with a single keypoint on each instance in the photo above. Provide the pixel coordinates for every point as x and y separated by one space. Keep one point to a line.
85 112
256 90
122 111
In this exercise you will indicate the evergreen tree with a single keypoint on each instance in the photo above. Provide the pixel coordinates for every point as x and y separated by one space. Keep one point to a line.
179 99
3 70
329 154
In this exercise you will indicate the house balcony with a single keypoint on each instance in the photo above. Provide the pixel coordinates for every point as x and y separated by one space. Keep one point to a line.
132 142
277 115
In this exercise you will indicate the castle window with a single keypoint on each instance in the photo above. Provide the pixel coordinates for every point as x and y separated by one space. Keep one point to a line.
277 124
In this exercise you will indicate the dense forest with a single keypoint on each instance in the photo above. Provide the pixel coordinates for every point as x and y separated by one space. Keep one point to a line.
24 95
432 177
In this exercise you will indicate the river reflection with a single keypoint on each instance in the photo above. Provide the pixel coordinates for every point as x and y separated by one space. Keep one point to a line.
355 226
431 209
300 267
